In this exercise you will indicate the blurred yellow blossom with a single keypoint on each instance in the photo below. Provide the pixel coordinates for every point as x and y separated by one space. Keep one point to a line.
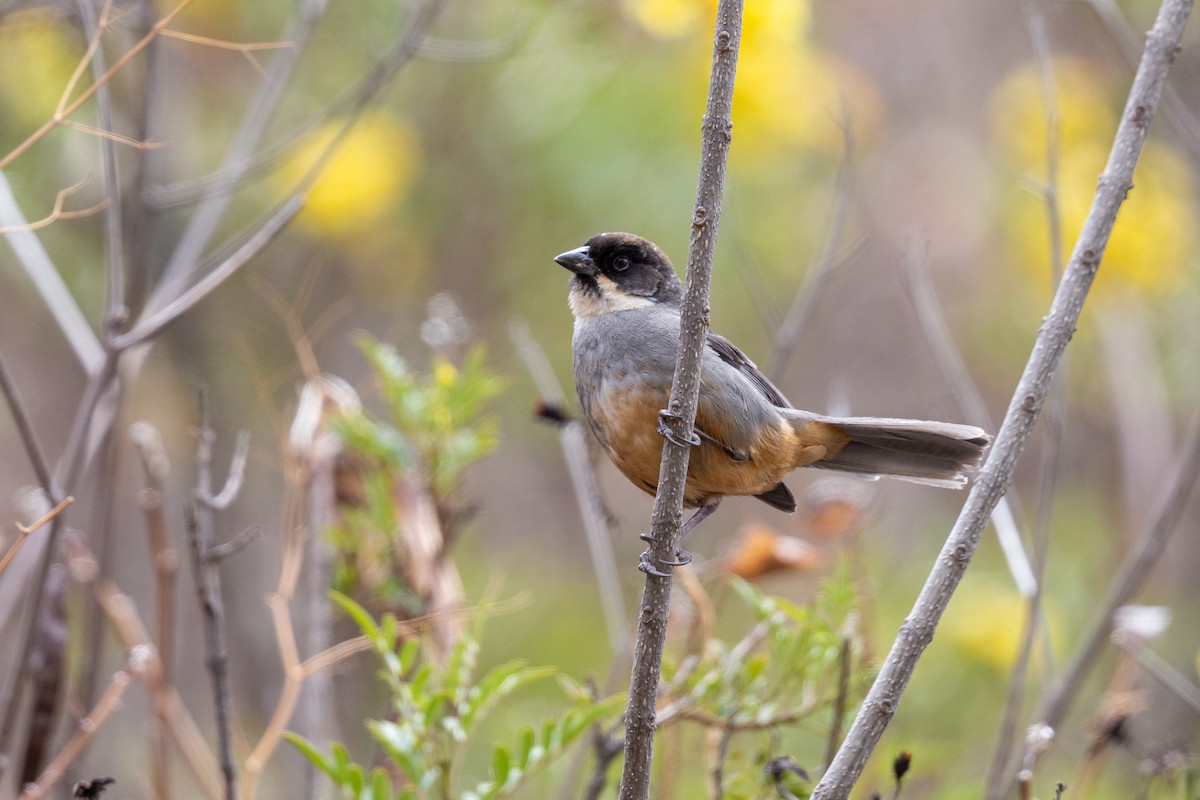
38 51
666 19
789 95
367 174
1153 242
984 622
1086 114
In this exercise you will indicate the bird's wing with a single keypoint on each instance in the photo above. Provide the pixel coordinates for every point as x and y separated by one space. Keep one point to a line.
731 355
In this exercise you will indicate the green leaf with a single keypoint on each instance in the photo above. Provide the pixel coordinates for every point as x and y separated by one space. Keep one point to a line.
408 654
500 682
400 743
501 764
525 746
381 785
314 756
361 617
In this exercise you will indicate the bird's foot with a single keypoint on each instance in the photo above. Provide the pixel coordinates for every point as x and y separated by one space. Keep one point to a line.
682 559
664 430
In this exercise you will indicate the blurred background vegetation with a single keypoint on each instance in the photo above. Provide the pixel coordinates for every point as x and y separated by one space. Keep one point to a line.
518 131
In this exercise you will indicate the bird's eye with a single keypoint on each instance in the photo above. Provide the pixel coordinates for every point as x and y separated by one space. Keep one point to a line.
621 263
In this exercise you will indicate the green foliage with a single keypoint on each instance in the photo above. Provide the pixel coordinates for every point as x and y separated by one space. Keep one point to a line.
436 420
434 427
785 670
436 709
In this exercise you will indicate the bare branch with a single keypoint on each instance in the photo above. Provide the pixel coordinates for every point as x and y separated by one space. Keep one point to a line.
36 263
996 475
24 426
1133 573
409 44
717 132
966 394
66 109
1163 672
208 586
233 546
151 326
805 300
58 212
25 531
156 467
233 481
1053 426
131 630
572 439
109 702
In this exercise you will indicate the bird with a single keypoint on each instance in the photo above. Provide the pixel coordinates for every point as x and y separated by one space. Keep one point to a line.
625 299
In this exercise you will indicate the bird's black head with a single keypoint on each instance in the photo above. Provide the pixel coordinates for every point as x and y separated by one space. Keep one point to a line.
617 272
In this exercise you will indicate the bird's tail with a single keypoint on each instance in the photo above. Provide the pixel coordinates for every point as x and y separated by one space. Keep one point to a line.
934 453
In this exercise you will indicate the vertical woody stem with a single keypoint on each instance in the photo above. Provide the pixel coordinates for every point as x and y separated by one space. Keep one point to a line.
716 134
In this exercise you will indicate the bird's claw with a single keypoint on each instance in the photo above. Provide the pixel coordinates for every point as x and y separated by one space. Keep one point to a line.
664 430
682 559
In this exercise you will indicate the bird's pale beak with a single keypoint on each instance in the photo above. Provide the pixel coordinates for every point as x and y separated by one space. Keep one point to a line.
578 261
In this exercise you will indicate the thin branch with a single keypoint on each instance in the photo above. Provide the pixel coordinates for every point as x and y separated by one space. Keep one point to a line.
203 223
24 426
224 550
1133 573
142 216
116 314
58 212
131 630
916 633
717 132
208 585
1159 669
149 327
109 702
66 109
233 482
408 45
954 370
156 468
25 531
607 746
787 336
839 703
573 441
1053 427
716 774
48 282
1177 111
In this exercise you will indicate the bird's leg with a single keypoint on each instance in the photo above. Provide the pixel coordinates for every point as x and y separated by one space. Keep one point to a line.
682 557
664 429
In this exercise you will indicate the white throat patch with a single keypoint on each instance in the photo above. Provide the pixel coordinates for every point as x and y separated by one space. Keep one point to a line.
611 299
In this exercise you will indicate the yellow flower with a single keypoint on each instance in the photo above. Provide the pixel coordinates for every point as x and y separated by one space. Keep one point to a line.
667 19
1086 114
38 51
444 374
364 178
788 95
1153 242
985 622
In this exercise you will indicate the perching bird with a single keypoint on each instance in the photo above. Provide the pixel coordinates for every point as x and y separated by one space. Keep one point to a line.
625 298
